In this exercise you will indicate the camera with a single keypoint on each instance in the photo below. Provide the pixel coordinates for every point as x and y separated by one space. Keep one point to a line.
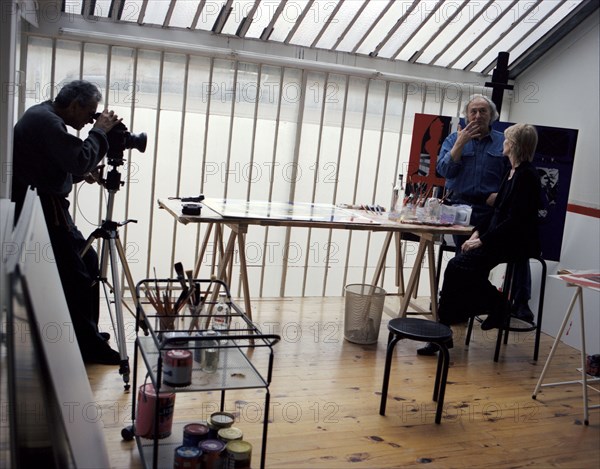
120 139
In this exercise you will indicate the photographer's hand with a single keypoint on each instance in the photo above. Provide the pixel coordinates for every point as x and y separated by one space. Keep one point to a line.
107 120
95 175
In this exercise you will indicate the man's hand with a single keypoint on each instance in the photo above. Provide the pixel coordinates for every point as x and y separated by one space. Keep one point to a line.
107 120
463 136
95 175
491 199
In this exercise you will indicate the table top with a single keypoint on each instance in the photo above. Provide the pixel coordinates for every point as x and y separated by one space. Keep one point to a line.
587 279
235 211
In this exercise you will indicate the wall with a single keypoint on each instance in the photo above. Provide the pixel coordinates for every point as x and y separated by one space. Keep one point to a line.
564 92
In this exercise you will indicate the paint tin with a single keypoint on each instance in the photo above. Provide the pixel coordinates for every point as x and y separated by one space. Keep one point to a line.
238 455
219 420
177 368
194 433
230 434
212 452
147 401
187 457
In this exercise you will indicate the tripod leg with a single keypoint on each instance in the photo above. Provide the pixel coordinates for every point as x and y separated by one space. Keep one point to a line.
127 273
120 332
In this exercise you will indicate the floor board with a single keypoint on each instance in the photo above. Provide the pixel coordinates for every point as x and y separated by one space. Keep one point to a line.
325 397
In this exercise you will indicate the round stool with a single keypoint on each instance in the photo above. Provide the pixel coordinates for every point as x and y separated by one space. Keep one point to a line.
423 331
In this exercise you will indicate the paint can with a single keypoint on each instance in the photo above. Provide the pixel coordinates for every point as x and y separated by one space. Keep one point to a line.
177 368
212 454
238 455
219 420
146 409
194 433
230 434
187 457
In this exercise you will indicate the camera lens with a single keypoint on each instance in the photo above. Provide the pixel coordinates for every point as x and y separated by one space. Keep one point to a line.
136 141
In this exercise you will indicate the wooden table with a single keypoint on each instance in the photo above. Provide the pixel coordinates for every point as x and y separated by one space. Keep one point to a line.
231 213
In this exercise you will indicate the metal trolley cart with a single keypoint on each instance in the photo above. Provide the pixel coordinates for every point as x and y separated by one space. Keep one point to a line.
185 320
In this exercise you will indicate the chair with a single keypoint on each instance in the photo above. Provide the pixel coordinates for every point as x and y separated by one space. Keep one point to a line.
423 331
511 324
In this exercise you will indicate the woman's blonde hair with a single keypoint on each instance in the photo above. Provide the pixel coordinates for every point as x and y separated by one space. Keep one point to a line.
524 139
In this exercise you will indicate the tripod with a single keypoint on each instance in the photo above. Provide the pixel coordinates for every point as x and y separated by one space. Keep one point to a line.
112 250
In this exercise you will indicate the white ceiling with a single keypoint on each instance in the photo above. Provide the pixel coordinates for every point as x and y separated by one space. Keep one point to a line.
463 34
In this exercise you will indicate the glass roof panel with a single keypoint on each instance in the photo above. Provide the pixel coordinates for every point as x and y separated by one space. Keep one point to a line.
362 24
513 37
73 7
420 15
209 14
339 23
156 12
414 20
490 14
131 10
102 8
451 31
459 43
183 13
315 20
384 25
241 9
500 26
555 18
286 21
262 17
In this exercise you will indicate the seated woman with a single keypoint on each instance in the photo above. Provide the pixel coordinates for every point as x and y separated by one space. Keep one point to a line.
511 233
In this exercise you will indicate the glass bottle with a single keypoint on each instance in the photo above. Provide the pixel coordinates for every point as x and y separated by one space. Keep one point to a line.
222 316
397 199
209 353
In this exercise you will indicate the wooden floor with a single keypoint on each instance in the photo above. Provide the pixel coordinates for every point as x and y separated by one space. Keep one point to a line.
325 397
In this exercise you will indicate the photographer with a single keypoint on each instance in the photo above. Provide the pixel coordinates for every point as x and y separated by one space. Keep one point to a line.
50 159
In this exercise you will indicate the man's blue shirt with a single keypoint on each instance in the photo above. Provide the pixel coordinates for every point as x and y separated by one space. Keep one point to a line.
480 170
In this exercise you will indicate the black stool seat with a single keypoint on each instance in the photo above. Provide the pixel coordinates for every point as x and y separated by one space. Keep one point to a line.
420 329
423 331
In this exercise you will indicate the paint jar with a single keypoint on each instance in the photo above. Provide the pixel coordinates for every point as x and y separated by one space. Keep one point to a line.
238 455
218 421
144 422
230 434
187 457
433 209
177 368
212 454
194 433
